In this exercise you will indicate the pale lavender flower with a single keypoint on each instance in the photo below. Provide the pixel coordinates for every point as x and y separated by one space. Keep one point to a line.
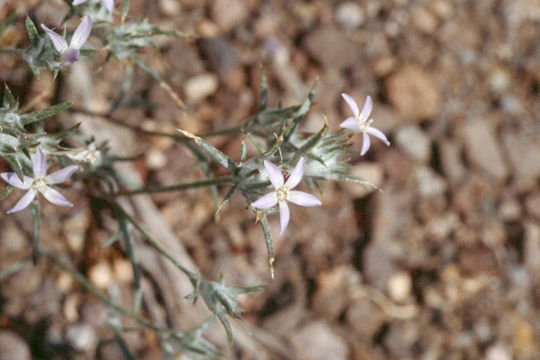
71 53
39 183
109 4
361 122
283 192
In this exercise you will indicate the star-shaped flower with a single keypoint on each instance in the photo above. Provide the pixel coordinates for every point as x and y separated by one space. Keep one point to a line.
361 122
283 192
109 4
39 183
71 53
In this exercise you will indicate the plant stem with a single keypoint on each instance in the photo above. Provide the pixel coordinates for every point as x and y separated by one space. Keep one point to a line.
185 186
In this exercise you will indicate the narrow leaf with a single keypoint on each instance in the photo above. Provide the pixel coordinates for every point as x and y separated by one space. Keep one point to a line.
31 29
43 114
302 111
9 20
264 90
268 239
212 151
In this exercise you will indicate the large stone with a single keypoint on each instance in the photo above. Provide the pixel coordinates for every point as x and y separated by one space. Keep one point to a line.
482 148
414 142
332 48
524 157
12 347
365 318
229 13
317 341
414 93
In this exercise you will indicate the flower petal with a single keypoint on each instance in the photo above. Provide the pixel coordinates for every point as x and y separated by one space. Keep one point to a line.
303 199
71 56
58 41
378 134
78 2
39 163
61 175
81 33
55 197
352 104
284 216
24 201
365 143
265 201
350 123
274 174
109 4
366 110
13 179
296 174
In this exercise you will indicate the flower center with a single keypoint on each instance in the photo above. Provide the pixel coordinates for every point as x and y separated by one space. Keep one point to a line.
282 194
363 124
39 183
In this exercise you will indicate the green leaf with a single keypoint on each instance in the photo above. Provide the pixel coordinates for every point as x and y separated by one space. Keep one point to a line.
112 239
6 192
8 99
40 115
128 242
212 151
302 111
31 29
227 327
15 165
125 9
88 52
268 239
314 140
9 20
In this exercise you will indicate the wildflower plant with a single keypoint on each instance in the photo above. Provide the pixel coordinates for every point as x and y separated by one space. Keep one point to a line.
282 148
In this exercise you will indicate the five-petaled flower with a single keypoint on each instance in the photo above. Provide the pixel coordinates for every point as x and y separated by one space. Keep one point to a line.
109 4
39 183
71 53
283 192
361 122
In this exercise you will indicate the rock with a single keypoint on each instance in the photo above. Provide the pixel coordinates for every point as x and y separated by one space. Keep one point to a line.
509 209
400 286
82 337
101 275
228 14
414 93
429 182
400 339
329 299
498 351
531 249
372 172
317 341
332 48
424 20
440 227
75 230
379 264
482 148
350 15
532 204
523 155
364 318
414 142
13 347
200 86
452 165
222 57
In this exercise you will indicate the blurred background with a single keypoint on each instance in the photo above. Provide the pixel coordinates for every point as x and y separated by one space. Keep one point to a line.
442 263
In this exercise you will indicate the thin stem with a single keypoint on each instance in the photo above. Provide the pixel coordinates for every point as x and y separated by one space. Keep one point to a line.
185 186
10 51
89 287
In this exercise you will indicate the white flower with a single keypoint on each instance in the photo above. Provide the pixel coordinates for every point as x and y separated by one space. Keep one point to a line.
109 4
283 192
361 122
71 53
39 183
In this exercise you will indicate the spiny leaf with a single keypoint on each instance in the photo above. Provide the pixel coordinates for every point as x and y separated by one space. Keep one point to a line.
43 114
